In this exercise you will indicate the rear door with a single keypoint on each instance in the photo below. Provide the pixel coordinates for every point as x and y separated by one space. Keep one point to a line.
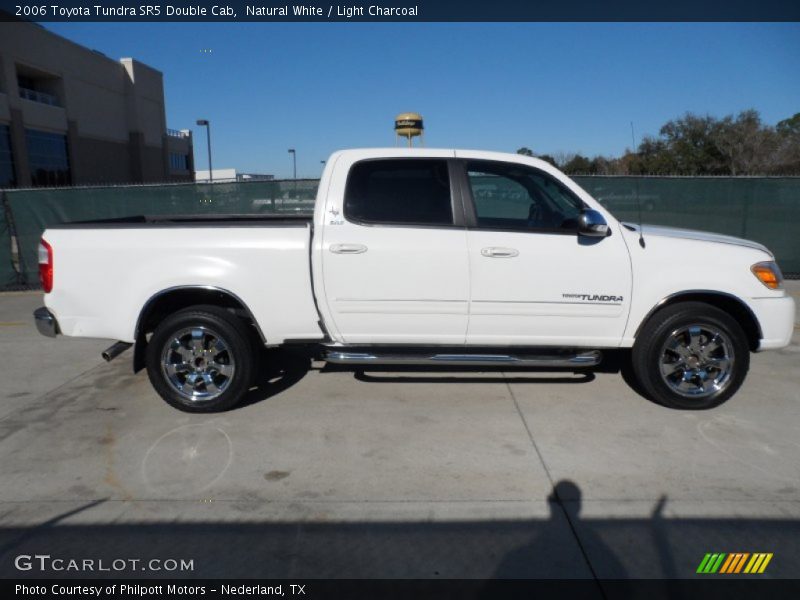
394 253
535 281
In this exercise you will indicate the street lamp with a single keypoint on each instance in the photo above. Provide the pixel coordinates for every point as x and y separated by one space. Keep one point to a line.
205 123
294 161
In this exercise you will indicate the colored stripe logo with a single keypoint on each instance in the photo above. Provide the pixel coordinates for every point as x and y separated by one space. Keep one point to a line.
735 562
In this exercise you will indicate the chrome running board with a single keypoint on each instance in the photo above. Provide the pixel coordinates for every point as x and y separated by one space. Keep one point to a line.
588 358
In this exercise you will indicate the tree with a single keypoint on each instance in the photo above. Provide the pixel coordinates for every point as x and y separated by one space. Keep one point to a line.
787 151
579 164
790 126
653 157
745 144
690 147
604 166
700 145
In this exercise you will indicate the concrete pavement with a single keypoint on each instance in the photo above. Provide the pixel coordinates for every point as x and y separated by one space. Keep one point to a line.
389 474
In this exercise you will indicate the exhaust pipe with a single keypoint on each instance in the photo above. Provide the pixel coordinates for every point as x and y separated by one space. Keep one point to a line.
114 351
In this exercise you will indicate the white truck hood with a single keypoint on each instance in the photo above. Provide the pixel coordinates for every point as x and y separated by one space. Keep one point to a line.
691 234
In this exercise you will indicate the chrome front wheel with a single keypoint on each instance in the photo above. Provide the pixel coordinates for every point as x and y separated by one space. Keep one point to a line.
697 361
690 355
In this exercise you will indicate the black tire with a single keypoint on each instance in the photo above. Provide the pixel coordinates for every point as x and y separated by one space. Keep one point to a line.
230 349
698 368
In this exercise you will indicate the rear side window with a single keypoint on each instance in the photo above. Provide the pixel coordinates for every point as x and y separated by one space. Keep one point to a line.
399 191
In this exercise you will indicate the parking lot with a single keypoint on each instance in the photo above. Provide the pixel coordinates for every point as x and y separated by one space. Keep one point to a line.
331 473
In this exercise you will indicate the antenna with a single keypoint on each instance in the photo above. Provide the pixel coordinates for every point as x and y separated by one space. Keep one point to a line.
638 200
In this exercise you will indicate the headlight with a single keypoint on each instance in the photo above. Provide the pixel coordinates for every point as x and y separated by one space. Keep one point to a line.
769 274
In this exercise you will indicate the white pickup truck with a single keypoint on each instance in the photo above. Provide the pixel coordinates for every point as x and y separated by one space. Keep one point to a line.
419 256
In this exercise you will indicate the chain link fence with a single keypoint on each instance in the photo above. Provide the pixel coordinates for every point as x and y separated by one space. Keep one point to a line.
764 209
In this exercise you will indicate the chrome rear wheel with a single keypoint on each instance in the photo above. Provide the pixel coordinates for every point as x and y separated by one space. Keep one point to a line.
198 363
201 359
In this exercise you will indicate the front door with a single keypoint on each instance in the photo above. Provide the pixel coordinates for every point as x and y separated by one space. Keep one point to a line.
535 281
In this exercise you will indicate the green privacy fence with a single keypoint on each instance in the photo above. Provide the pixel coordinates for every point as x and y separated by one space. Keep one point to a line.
8 274
33 210
765 209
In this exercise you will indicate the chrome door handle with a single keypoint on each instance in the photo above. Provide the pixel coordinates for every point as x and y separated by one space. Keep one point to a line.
348 248
498 252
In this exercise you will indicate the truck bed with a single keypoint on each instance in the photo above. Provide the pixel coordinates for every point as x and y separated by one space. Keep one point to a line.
107 270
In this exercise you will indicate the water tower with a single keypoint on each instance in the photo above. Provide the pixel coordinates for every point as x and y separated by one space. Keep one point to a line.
409 125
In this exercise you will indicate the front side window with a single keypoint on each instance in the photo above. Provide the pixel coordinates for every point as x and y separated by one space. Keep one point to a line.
517 197
48 157
399 191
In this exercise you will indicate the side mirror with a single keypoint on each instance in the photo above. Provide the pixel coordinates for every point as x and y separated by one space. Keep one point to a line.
592 224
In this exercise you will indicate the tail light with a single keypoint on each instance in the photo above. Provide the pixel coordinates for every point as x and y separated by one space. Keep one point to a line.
46 266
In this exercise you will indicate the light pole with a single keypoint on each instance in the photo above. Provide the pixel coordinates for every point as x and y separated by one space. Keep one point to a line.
294 162
205 123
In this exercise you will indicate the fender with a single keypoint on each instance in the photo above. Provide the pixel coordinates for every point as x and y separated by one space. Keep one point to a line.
206 288
699 292
139 335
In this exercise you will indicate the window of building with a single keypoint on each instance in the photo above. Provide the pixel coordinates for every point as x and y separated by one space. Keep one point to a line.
48 158
516 197
178 162
28 92
7 178
38 86
399 191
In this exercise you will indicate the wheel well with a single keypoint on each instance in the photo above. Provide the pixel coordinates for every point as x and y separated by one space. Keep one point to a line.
170 301
725 302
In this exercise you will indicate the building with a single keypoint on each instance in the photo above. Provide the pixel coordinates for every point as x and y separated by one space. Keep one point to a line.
229 176
72 116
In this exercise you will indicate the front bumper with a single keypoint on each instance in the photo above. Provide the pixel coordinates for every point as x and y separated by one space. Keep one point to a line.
46 322
776 316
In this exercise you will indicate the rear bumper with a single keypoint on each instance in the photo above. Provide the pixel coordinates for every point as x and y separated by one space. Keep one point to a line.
776 316
46 322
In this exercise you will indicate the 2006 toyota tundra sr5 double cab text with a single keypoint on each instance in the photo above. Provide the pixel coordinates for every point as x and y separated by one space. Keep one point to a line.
419 256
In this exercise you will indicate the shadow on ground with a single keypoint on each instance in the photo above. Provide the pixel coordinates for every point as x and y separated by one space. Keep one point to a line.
565 545
279 370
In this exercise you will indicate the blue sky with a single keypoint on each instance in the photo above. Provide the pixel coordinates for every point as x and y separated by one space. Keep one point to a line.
551 87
